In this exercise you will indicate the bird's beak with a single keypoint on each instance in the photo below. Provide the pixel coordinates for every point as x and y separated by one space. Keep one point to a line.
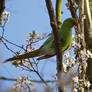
75 23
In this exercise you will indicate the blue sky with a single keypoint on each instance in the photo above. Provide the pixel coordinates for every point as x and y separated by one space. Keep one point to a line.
27 15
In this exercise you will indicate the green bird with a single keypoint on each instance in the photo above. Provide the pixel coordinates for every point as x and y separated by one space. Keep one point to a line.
47 50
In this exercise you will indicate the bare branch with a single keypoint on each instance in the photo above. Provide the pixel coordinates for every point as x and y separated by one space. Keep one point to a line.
37 81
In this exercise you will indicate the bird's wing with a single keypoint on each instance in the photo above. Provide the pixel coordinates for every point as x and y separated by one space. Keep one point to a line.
50 39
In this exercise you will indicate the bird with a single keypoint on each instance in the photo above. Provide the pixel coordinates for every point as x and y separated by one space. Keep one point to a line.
47 50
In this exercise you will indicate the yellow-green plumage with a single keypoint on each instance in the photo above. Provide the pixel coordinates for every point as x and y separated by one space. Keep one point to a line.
48 48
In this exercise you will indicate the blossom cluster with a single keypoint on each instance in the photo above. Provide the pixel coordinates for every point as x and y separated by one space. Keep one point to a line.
70 60
23 83
5 16
33 38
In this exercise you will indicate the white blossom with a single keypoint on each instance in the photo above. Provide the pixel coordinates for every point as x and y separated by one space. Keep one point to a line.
89 53
5 16
75 79
64 67
87 83
75 90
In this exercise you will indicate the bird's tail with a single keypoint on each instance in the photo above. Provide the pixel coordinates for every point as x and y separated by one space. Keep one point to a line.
24 56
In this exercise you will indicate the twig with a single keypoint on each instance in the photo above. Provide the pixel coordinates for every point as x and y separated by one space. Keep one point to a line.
72 9
74 15
37 81
25 68
13 44
33 70
30 70
8 47
36 71
9 79
40 39
3 28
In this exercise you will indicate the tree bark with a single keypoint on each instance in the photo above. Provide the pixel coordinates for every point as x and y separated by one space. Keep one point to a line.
2 7
54 26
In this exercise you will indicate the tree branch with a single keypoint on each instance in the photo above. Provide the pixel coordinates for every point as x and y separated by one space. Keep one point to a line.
88 25
37 81
2 7
74 15
54 26
58 13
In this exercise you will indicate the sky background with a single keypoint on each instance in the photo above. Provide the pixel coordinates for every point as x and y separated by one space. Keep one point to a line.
27 15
